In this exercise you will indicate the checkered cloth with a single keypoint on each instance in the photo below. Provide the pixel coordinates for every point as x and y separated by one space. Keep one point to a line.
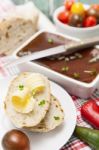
74 143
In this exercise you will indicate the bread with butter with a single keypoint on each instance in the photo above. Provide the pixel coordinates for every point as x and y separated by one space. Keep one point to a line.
41 105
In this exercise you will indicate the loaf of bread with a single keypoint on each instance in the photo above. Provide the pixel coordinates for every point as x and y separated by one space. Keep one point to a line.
41 112
17 27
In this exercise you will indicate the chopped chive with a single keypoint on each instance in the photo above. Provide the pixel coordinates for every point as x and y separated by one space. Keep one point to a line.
76 75
42 103
50 40
65 69
21 87
56 118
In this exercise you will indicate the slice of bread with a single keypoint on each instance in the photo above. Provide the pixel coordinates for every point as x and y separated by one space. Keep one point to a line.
53 118
34 117
17 27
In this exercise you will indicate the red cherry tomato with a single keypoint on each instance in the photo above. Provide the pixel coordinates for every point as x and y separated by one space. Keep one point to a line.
64 16
90 21
95 6
68 4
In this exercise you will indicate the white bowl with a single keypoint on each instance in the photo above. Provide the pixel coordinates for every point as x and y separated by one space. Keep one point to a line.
80 33
75 87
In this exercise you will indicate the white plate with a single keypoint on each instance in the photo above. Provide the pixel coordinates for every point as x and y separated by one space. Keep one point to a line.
53 140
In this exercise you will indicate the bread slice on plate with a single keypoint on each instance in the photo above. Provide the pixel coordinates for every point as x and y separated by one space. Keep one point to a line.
41 104
53 118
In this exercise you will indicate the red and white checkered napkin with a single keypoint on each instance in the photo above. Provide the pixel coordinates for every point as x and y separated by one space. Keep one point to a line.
74 143
3 72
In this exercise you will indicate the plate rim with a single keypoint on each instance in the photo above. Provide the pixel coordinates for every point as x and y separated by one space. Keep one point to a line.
73 108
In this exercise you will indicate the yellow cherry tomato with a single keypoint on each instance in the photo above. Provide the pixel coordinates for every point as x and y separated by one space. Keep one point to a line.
78 8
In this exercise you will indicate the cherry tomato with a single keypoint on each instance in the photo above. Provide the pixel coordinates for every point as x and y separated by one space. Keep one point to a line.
75 20
78 8
93 12
15 140
64 16
68 4
95 6
90 21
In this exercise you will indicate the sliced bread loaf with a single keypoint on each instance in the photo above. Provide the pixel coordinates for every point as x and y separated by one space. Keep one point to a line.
53 118
18 26
41 105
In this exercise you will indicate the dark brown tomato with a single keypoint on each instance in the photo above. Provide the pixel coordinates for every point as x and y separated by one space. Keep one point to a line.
76 20
93 12
15 140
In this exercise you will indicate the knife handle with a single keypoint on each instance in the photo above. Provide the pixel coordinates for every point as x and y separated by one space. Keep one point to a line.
78 45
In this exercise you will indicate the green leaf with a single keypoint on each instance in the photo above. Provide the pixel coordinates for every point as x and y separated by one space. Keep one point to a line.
76 75
21 87
65 69
42 103
56 118
50 40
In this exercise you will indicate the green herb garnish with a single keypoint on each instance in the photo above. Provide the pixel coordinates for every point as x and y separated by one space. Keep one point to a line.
65 69
21 87
50 40
56 118
76 75
42 103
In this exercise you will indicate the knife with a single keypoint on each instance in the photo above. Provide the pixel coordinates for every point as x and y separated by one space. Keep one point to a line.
62 49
